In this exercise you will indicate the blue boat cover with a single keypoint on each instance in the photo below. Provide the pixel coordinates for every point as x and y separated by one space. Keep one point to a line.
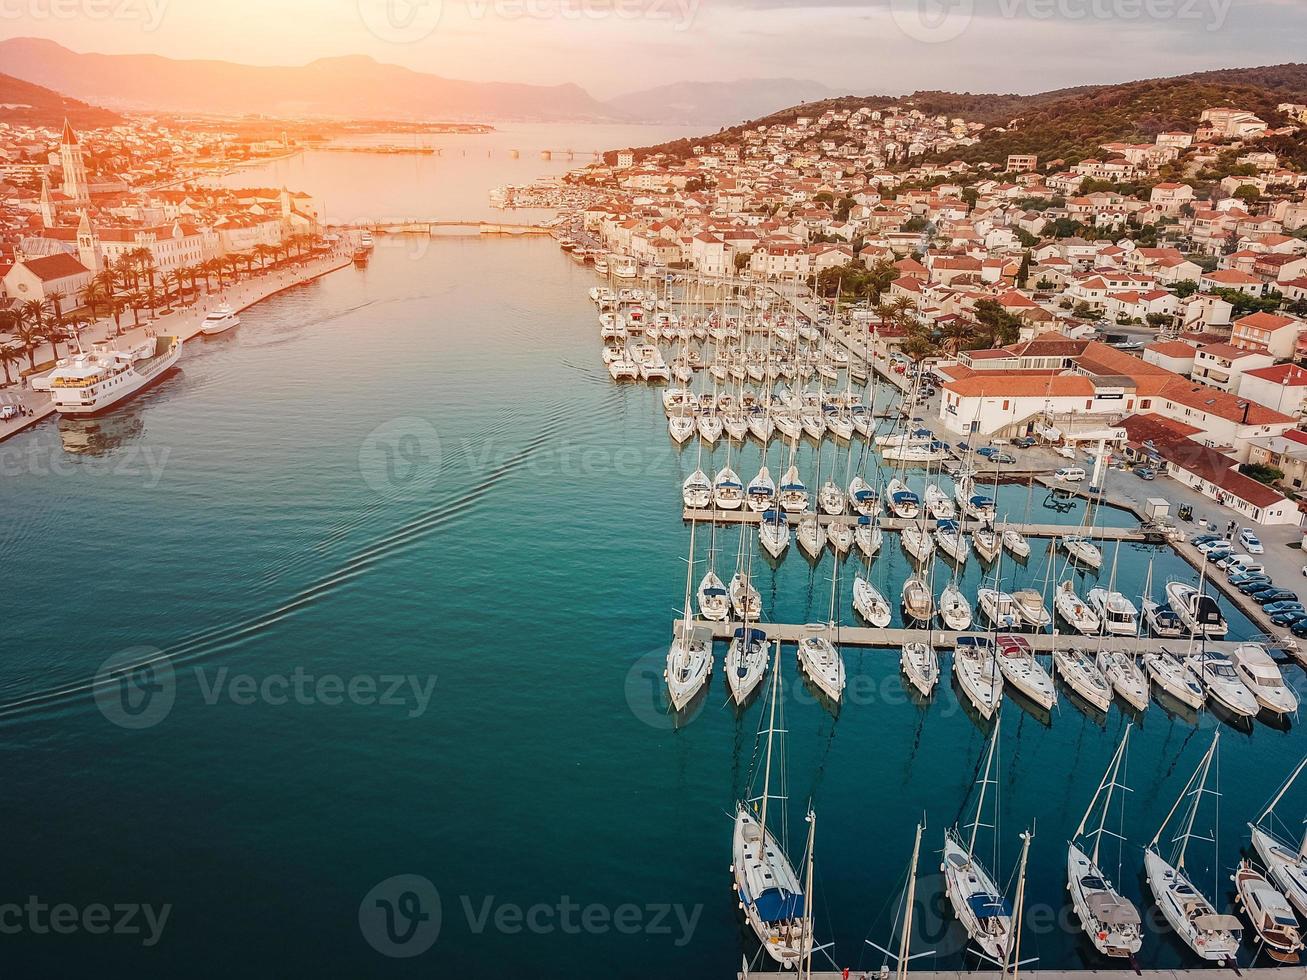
755 635
778 905
864 521
903 496
729 483
989 906
714 592
980 500
772 516
794 486
865 495
948 525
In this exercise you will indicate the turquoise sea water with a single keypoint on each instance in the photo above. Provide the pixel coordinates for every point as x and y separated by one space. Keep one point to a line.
422 469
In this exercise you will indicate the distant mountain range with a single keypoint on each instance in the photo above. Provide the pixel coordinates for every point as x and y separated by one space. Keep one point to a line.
360 87
25 104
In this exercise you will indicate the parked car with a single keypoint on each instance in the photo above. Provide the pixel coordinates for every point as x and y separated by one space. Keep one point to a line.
1278 607
1200 539
1255 586
1289 618
986 451
1003 459
1251 542
1072 474
1068 451
1217 543
1025 442
1243 578
1145 473
1299 628
1268 596
1245 568
1218 552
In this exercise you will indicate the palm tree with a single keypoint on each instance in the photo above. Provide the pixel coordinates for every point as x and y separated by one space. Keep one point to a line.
90 295
28 331
10 355
135 300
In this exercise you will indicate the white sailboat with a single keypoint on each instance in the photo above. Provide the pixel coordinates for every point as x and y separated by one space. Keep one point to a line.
681 426
1212 936
727 490
1079 672
1074 610
793 494
689 659
952 541
1125 675
765 883
819 659
938 504
863 497
840 536
918 603
987 543
1286 863
761 492
901 501
999 609
774 533
976 900
1015 542
714 603
811 534
831 498
696 491
870 603
1109 919
1083 551
1173 677
917 542
977 673
920 664
1023 671
954 608
745 599
746 662
868 536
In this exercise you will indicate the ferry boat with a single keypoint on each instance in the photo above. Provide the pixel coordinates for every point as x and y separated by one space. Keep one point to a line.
365 239
97 380
361 255
220 321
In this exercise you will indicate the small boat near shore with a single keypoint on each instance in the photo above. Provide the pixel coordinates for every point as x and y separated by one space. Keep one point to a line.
219 320
1269 912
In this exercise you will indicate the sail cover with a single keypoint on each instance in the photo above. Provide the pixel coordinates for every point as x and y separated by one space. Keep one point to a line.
779 905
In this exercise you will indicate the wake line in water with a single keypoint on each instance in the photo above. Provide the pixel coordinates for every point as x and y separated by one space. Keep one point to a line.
222 638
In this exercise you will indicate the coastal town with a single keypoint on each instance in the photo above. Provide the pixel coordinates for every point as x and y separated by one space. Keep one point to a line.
1158 290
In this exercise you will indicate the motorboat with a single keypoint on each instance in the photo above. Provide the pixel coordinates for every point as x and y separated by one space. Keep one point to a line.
1163 621
870 603
999 608
1222 684
1260 674
1126 677
1074 610
761 492
1030 606
1198 611
1023 671
1116 614
1078 672
219 320
1269 912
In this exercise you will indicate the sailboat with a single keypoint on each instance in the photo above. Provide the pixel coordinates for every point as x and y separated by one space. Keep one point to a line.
689 659
714 603
746 662
870 604
1083 551
1074 610
727 491
976 900
831 498
793 494
987 543
918 603
1193 917
954 609
1079 672
1023 671
977 673
696 491
811 534
840 536
1015 542
774 533
863 497
938 504
1285 862
819 658
868 536
680 426
1109 919
766 885
952 541
1173 677
1126 677
917 542
761 492
901 501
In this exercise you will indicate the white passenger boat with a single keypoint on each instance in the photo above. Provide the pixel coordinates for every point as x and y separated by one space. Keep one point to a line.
793 494
1030 606
1075 611
1116 614
1222 684
1109 919
761 492
727 491
745 599
219 320
868 536
917 542
938 504
766 885
811 534
1015 542
746 662
870 604
921 666
94 381
1198 611
1191 915
1260 674
774 533
696 491
901 501
1083 551
1126 677
977 673
954 609
1078 672
821 663
976 900
1172 676
918 603
1023 671
999 609
951 540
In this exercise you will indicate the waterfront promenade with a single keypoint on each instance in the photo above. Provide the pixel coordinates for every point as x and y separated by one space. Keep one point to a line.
183 322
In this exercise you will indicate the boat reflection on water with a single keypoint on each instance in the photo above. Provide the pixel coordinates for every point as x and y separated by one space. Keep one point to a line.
102 435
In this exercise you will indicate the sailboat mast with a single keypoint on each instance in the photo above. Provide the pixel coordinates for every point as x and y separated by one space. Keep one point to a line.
1109 783
807 940
905 938
689 578
1203 767
1283 789
1014 958
771 731
984 786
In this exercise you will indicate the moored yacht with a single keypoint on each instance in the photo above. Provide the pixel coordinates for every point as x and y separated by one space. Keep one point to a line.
1078 672
696 491
1126 677
1116 613
1261 675
746 662
901 501
1174 678
1222 684
921 666
999 608
774 533
870 604
821 662
96 380
761 492
219 320
1075 610
1198 611
977 673
1023 671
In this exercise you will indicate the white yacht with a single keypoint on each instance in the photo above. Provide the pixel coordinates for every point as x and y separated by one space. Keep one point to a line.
1261 675
761 492
870 604
746 662
987 543
1083 551
1023 671
1078 672
811 534
917 542
954 609
901 501
918 603
821 663
938 504
679 427
868 536
1126 677
1198 611
863 497
714 603
1212 936
745 599
727 491
1162 620
977 673
1075 610
921 665
774 533
696 491
1030 604
999 608
952 541
840 536
1222 684
1015 542
96 380
1173 677
1117 614
793 494
220 320
709 425
1286 862
831 498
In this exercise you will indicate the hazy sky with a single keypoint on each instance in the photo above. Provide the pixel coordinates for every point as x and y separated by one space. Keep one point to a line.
613 46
